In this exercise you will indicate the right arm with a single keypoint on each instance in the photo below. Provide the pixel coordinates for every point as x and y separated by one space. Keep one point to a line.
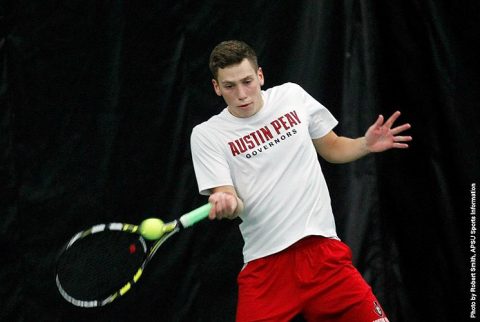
212 170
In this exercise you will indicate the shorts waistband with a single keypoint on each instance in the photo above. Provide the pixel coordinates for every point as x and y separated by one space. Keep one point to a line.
309 240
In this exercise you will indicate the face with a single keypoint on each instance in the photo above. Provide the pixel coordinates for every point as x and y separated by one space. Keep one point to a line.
240 87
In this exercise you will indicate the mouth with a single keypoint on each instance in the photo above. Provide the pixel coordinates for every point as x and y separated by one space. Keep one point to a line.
244 105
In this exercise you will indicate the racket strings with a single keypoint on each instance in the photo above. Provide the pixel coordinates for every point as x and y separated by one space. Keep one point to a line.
100 264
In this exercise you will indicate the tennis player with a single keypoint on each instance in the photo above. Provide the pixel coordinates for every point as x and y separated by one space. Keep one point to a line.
257 159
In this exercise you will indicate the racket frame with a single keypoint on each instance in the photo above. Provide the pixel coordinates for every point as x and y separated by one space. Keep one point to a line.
186 220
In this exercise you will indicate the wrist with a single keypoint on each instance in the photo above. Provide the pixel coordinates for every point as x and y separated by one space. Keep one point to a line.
365 147
240 206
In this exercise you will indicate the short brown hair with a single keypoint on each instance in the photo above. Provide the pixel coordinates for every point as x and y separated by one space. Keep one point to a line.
231 52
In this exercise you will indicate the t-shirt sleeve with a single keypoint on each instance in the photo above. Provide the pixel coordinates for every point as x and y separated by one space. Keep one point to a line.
209 162
321 121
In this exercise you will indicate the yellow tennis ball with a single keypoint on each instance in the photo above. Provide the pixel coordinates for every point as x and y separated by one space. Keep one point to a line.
152 228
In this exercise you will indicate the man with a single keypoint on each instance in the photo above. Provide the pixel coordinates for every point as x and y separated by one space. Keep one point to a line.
257 159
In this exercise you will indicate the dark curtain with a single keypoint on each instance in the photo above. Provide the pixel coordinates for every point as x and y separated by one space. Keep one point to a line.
98 100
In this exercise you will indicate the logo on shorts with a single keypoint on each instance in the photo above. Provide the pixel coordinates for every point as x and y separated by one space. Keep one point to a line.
382 320
377 308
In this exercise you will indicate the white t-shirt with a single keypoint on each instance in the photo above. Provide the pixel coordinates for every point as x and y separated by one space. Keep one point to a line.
271 161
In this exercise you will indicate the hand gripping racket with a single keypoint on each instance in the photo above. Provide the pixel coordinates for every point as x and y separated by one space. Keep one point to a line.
102 263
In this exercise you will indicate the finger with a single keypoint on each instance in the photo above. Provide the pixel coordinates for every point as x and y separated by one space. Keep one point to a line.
233 203
379 121
402 138
224 203
228 205
392 119
213 211
401 128
400 145
218 207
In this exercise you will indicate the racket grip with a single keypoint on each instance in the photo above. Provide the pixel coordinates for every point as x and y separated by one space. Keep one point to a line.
195 215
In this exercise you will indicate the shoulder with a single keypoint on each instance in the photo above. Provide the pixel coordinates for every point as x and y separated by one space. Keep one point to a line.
287 94
285 87
283 91
211 131
201 137
202 130
210 124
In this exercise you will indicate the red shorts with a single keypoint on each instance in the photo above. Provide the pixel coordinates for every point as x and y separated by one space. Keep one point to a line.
315 278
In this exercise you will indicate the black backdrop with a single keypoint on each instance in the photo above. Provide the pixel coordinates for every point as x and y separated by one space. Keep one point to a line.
99 99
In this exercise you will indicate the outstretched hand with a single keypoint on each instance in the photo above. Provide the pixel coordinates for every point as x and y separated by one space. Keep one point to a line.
381 137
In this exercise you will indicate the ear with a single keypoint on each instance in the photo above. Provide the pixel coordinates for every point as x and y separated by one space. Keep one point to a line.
216 87
260 76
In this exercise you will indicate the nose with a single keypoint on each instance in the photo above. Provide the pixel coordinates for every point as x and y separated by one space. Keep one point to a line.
241 94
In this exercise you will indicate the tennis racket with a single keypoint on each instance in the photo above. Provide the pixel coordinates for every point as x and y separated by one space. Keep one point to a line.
102 263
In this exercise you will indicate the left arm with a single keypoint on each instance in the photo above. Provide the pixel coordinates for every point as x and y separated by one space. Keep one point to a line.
378 138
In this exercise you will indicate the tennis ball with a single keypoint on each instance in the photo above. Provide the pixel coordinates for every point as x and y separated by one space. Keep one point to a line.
152 228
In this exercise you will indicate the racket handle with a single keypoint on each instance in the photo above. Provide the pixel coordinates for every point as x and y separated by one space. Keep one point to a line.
195 215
